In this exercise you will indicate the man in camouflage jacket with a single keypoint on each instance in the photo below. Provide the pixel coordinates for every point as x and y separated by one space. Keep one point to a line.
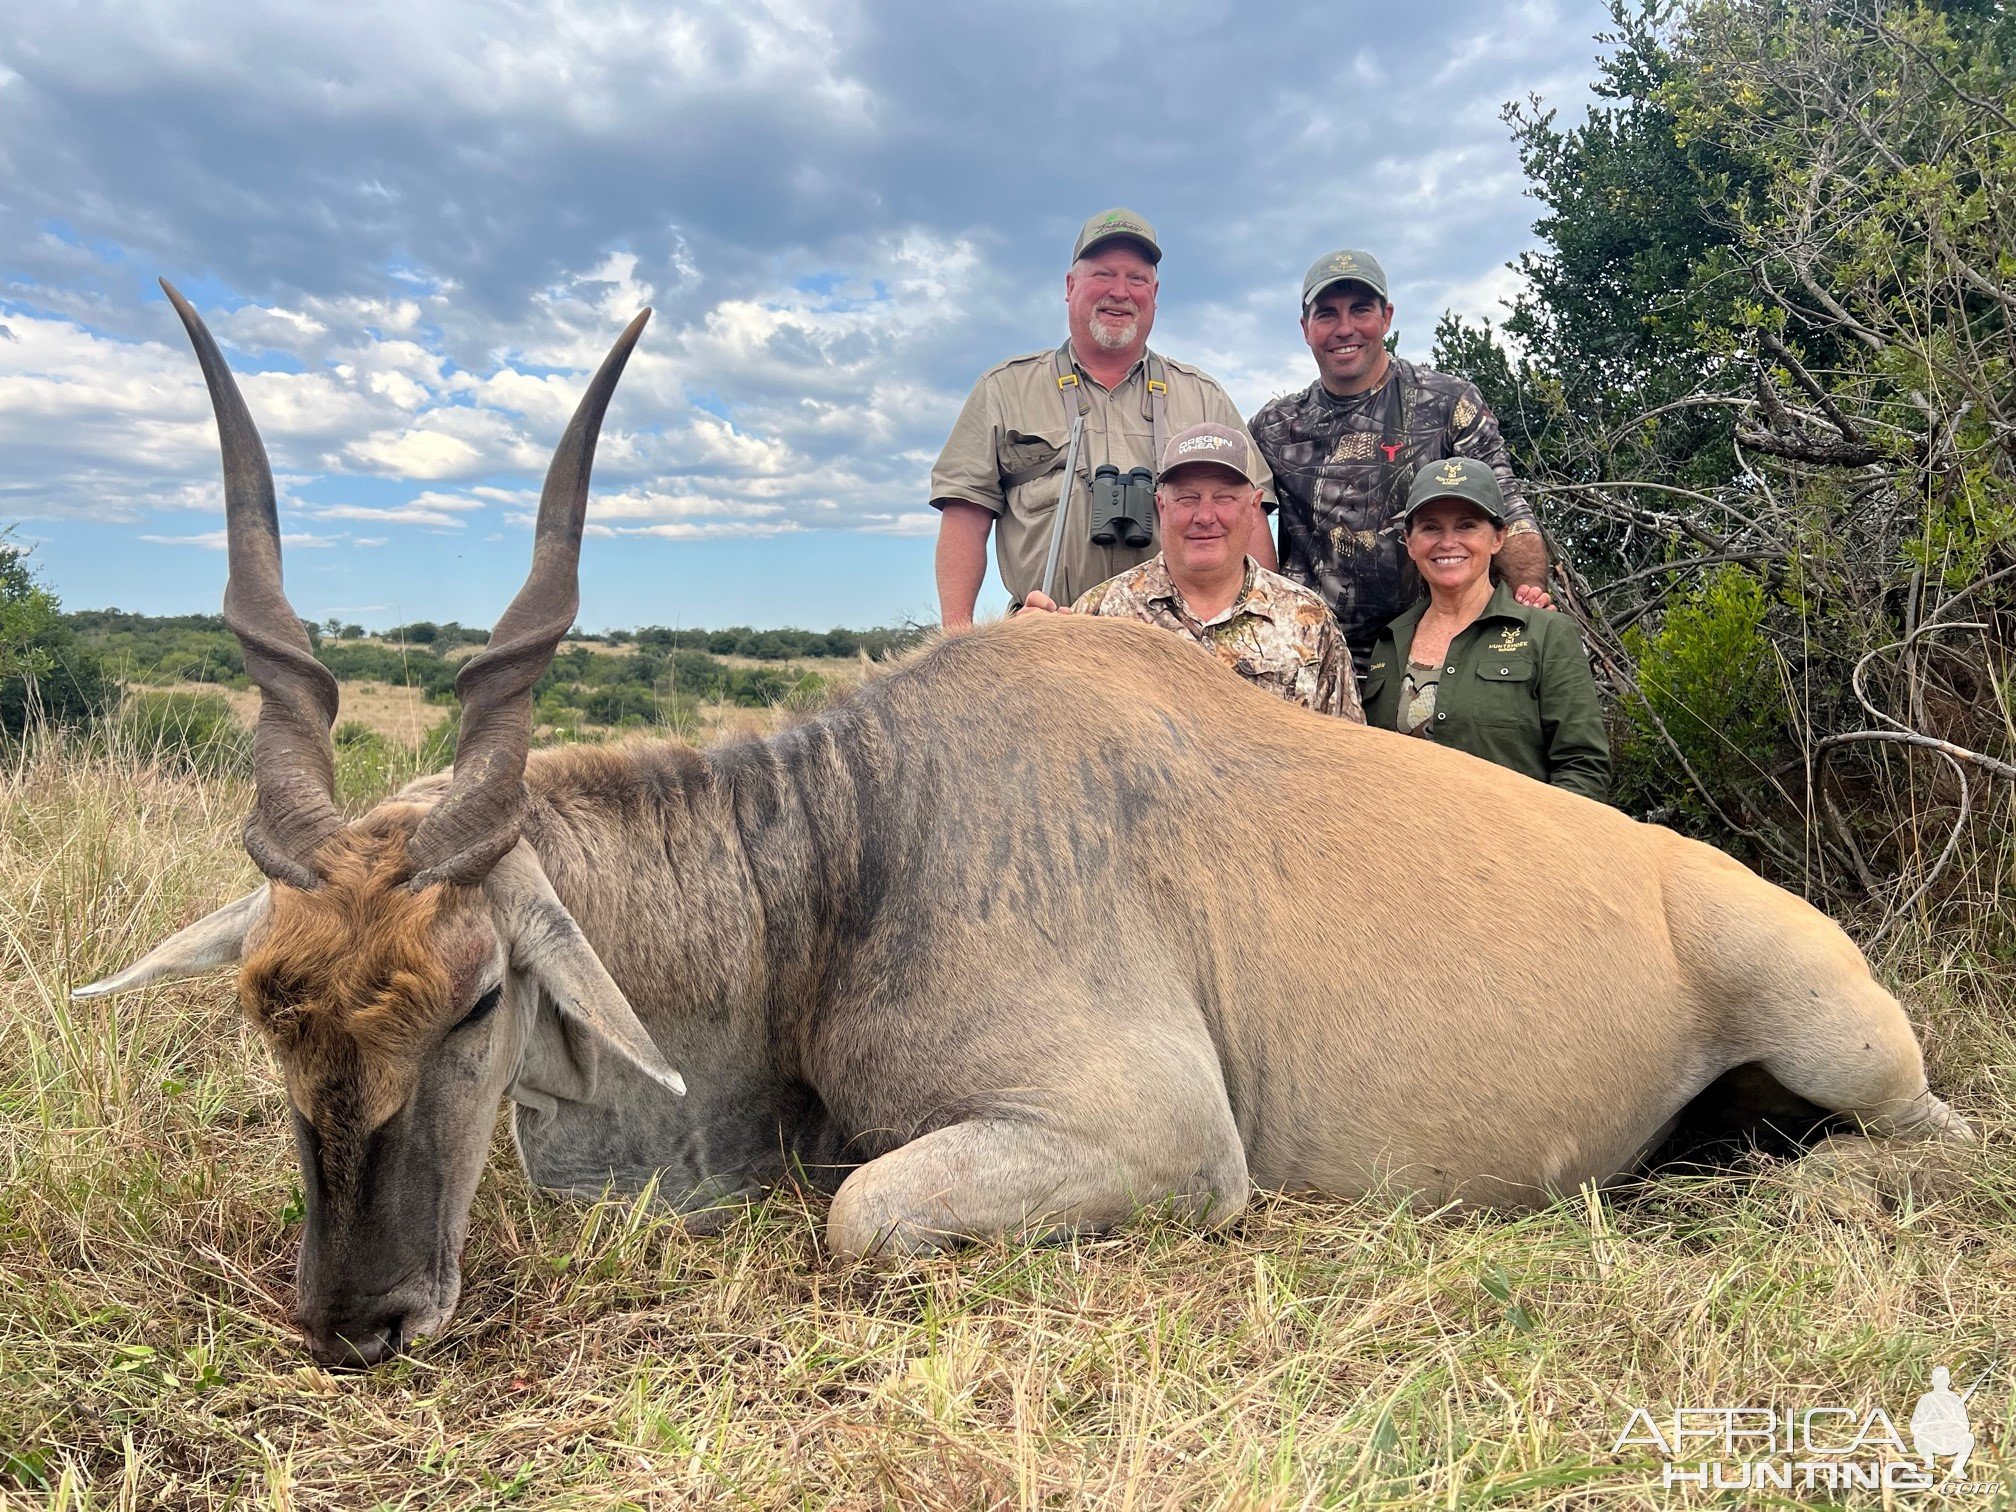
1345 450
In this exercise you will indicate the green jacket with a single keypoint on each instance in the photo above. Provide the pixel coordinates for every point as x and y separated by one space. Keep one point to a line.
1516 690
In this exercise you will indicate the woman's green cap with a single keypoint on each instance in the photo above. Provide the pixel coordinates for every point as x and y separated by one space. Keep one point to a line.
1462 478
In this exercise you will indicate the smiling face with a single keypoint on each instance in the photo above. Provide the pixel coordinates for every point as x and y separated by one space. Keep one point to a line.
1208 515
1346 330
1451 544
1109 299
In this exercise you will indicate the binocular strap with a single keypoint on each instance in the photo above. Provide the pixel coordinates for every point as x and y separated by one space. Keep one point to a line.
1069 389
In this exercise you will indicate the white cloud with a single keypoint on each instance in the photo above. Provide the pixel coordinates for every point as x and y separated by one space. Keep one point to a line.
712 530
216 540
642 504
1484 297
417 453
396 514
911 522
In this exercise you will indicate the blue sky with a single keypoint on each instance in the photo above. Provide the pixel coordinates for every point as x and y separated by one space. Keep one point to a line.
416 228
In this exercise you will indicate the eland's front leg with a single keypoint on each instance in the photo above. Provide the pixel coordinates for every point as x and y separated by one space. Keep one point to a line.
1015 1124
1001 1178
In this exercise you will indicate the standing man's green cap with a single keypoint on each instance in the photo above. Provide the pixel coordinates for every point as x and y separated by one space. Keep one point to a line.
1108 224
1463 478
1343 267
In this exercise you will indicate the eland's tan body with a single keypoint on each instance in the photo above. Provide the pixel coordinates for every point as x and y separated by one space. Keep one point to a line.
1054 921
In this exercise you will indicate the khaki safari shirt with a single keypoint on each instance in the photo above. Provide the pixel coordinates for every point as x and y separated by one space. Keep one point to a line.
1514 689
1342 469
1014 419
1276 634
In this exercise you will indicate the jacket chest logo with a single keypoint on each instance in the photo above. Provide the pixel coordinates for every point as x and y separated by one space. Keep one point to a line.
1509 639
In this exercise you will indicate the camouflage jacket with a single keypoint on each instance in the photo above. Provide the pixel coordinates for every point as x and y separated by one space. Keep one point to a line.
1342 468
1276 634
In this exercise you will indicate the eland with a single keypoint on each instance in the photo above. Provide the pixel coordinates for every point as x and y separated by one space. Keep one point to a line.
993 947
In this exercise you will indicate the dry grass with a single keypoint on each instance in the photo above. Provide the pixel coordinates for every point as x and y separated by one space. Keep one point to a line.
401 714
1328 1354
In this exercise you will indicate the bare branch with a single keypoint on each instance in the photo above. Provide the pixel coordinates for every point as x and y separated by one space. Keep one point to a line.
1683 565
1952 844
1805 380
1799 449
1925 742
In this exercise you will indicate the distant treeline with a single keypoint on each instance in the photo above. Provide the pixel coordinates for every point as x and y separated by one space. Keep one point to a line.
626 677
151 637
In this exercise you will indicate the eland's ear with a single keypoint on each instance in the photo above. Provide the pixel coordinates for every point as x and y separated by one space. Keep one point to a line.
548 946
214 940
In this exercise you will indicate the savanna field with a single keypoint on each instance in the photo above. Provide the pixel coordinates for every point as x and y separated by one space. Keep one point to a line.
1318 1354
1755 379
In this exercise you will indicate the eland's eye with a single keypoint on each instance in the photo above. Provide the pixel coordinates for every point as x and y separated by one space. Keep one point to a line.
480 1009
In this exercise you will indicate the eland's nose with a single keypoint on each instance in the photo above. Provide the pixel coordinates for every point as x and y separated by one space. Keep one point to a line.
357 1341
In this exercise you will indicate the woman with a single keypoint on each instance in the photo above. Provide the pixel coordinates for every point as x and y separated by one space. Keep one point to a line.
1474 668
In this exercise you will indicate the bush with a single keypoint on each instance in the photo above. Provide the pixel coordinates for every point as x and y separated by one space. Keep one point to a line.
437 747
396 667
617 703
1711 678
45 673
196 732
370 765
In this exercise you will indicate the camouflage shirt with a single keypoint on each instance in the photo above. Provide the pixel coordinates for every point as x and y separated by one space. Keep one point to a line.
1342 468
1276 634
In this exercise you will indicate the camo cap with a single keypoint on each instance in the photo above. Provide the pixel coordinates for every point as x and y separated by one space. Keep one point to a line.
1463 478
1108 224
1207 445
1346 266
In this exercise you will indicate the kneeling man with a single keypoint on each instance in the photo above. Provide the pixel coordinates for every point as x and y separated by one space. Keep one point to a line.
1205 586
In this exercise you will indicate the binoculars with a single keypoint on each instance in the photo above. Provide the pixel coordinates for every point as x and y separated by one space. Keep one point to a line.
1123 507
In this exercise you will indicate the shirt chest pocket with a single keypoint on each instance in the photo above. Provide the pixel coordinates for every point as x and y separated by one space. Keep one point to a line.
1023 456
1276 667
1504 687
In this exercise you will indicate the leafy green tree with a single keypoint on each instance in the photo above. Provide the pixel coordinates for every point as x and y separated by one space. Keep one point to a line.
1634 266
1759 381
45 673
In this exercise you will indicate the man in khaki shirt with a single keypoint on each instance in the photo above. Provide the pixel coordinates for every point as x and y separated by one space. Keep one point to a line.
1205 586
1005 458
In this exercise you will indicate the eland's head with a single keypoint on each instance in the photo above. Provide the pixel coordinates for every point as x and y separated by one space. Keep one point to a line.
393 963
